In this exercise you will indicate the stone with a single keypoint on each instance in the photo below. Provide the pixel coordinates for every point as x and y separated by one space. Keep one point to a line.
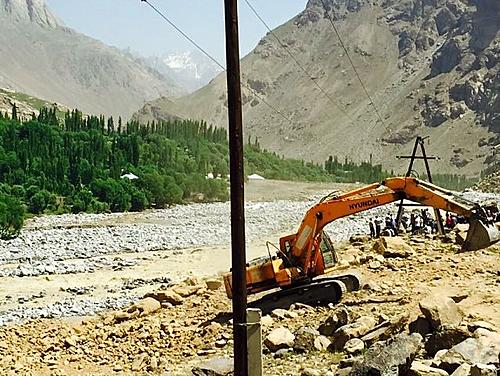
279 338
379 245
386 329
186 291
310 372
354 346
304 339
488 337
483 370
334 321
145 306
266 321
358 328
462 370
359 238
440 310
343 371
168 296
374 265
393 357
396 247
213 284
471 351
215 367
282 352
321 343
483 325
71 341
281 313
153 363
421 369
139 362
445 337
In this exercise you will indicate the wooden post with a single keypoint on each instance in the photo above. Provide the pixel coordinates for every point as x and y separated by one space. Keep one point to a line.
238 253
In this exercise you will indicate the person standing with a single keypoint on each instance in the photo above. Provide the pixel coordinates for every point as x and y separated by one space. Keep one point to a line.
372 228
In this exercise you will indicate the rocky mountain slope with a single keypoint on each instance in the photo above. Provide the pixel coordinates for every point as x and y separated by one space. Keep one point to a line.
26 105
41 57
431 68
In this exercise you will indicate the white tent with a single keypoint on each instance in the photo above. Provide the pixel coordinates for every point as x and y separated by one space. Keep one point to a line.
255 177
129 176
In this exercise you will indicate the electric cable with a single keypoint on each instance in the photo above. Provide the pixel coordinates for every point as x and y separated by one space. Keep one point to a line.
252 8
350 61
254 92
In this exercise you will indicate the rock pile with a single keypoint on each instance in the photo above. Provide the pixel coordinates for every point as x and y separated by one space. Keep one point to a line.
490 183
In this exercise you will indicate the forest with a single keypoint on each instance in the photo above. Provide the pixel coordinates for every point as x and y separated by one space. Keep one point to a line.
94 164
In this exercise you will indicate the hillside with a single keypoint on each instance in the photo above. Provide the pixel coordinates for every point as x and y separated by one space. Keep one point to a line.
431 69
43 58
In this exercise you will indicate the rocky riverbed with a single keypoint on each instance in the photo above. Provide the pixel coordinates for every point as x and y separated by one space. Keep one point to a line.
74 265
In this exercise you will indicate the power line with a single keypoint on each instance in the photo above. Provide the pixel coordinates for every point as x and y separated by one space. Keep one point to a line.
351 62
171 23
295 60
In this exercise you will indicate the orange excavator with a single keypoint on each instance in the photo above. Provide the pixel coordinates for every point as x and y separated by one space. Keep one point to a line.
299 272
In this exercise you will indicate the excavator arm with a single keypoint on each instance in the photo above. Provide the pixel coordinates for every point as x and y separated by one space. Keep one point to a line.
303 253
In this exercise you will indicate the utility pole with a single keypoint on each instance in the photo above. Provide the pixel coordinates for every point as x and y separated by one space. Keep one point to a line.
237 189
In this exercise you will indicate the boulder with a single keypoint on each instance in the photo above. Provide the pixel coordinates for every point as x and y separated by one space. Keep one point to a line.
483 370
420 369
321 343
445 338
304 339
357 329
396 247
440 310
145 307
483 325
186 291
462 370
488 337
167 296
215 367
471 351
334 321
386 329
280 338
266 321
391 358
354 346
213 284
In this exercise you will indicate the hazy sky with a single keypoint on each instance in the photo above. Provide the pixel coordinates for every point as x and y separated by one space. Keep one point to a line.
132 23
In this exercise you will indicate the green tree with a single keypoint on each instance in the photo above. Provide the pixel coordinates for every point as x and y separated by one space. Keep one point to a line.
11 216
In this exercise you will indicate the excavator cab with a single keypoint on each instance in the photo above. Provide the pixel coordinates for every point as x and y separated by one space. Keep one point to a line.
330 257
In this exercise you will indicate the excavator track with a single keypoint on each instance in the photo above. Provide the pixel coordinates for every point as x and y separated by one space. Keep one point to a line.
319 292
351 281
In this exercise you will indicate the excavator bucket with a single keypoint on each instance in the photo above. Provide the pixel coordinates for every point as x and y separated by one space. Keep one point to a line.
480 235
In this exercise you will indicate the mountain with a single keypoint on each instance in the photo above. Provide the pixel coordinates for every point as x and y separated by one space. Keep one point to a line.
191 69
431 68
26 105
43 58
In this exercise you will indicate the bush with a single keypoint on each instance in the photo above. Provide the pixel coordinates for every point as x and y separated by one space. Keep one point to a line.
11 216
